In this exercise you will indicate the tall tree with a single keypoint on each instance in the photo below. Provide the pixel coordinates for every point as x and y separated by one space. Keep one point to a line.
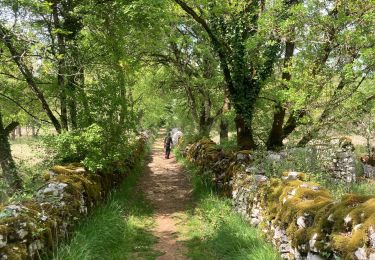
231 27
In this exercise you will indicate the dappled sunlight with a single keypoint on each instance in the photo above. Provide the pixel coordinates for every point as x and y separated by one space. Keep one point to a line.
167 189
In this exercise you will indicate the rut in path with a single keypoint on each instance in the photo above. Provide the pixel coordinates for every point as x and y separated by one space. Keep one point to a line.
168 190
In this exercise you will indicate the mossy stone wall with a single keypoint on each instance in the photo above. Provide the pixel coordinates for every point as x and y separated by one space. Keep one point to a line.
301 218
33 228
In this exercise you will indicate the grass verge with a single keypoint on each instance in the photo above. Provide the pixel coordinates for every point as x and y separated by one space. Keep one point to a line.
119 229
212 230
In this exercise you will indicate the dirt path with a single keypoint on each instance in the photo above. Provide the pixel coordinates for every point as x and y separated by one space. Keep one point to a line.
167 188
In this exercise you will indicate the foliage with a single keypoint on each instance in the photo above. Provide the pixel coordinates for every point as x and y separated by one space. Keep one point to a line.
275 72
96 147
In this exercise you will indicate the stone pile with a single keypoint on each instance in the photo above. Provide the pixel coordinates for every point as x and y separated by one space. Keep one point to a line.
31 229
369 171
301 218
368 163
344 162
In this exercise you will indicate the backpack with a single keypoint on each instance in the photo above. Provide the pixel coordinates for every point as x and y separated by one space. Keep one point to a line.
168 142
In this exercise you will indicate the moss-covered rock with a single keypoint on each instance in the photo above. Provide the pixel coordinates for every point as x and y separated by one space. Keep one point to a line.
30 229
301 218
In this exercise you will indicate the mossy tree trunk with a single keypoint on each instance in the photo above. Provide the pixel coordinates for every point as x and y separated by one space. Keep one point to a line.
8 166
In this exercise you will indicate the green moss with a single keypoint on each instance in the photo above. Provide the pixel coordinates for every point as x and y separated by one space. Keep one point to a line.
70 169
337 226
15 252
79 181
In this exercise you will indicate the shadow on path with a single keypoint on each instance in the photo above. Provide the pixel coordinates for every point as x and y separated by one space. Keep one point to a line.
167 189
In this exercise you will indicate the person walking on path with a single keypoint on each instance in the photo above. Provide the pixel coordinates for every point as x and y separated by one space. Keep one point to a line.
168 145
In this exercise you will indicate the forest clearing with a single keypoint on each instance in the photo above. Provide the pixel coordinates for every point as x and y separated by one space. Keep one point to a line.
185 129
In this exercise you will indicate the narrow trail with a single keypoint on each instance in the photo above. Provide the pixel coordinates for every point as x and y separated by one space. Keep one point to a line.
168 190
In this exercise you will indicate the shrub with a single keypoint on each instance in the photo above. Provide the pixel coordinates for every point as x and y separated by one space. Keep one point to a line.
96 147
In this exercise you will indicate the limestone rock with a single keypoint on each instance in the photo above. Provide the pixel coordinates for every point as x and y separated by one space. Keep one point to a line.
360 254
312 256
3 242
301 222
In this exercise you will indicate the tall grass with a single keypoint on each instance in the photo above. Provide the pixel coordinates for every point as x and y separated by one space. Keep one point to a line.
214 231
119 229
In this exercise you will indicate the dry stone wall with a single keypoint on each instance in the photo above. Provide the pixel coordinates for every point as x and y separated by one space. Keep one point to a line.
32 228
301 218
369 171
344 162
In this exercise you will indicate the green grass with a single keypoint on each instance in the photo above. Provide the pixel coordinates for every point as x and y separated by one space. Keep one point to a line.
32 161
212 230
119 229
364 188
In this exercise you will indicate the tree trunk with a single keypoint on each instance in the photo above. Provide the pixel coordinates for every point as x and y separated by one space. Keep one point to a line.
223 130
275 138
75 80
19 131
8 166
204 130
307 138
224 125
61 67
205 119
72 102
63 102
245 139
292 122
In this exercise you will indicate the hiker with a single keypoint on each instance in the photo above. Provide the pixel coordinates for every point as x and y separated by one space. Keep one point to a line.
168 145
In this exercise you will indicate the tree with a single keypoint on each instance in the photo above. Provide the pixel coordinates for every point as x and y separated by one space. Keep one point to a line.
194 75
326 62
8 166
234 34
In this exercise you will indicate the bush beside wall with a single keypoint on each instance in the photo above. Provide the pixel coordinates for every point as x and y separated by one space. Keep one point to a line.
33 228
302 219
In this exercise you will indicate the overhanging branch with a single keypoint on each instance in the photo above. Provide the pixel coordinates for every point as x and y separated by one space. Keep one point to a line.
24 109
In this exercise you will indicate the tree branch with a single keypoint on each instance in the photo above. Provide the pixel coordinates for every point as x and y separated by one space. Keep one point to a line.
11 127
24 109
218 45
8 38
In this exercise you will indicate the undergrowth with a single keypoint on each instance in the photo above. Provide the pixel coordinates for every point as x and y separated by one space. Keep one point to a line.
32 162
119 229
214 231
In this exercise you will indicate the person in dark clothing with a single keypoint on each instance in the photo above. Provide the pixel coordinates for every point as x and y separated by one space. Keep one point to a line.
168 145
